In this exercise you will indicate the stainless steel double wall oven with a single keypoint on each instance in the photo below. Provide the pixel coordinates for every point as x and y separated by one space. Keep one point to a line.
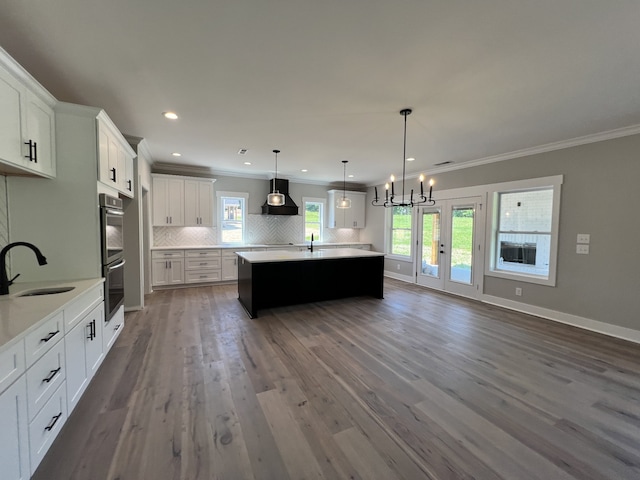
111 224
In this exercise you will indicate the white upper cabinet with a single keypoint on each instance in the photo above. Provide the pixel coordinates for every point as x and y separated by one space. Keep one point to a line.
40 141
198 203
27 123
115 157
347 217
168 201
182 201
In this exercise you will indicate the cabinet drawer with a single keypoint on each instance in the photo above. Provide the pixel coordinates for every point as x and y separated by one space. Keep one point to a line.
112 329
195 276
41 340
82 306
44 378
45 427
11 364
208 253
167 254
202 263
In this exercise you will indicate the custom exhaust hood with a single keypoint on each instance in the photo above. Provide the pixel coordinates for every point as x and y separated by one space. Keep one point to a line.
289 207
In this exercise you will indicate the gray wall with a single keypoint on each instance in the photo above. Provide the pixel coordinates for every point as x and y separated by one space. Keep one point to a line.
600 196
60 216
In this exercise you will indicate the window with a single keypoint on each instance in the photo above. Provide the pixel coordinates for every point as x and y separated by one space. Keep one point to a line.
231 216
313 218
524 234
399 242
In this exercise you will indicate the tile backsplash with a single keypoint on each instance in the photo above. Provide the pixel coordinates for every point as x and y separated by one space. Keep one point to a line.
261 229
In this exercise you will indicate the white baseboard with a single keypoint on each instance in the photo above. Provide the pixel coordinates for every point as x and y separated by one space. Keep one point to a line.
580 322
134 308
616 331
399 276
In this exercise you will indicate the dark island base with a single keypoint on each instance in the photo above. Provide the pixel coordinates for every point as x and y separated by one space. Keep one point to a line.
276 284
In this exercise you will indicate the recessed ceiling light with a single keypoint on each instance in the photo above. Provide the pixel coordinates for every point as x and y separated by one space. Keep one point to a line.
247 163
304 170
350 176
176 154
170 115
410 159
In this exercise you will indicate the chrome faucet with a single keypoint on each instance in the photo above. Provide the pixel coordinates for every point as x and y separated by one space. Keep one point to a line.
310 247
4 280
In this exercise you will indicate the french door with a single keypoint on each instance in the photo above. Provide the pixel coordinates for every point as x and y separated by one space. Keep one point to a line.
450 246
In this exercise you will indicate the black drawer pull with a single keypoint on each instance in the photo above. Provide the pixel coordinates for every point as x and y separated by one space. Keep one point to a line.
30 156
50 336
117 327
53 421
53 374
113 171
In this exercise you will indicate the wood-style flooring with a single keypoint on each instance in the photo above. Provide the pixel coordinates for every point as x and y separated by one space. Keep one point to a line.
420 385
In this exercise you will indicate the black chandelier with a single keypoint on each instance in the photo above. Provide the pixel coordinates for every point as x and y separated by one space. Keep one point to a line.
389 198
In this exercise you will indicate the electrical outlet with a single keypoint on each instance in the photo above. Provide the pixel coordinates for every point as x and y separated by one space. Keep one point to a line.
582 249
583 238
518 292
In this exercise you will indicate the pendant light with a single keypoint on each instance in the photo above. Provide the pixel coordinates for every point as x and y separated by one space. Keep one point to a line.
389 200
344 202
275 198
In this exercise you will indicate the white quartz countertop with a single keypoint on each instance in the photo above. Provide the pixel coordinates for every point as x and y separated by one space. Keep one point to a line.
256 245
286 256
18 315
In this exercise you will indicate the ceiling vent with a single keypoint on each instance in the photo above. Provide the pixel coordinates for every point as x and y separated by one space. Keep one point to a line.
442 163
242 151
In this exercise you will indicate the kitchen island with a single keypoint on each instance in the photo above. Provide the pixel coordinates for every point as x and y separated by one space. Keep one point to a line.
277 278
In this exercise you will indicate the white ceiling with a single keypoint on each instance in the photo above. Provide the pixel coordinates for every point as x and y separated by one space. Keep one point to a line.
324 81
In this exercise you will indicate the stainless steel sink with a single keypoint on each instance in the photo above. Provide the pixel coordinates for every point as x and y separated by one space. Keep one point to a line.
45 291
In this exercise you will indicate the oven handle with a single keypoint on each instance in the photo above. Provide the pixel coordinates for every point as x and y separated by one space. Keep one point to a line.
113 267
113 212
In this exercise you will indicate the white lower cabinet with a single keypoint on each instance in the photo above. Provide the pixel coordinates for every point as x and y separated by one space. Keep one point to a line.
112 328
44 428
84 354
44 378
44 373
202 266
14 440
230 267
167 267
230 264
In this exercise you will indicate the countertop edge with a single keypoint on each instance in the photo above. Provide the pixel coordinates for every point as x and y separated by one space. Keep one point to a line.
284 256
33 311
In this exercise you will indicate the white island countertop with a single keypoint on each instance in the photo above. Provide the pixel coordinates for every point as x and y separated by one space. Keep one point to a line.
292 256
18 315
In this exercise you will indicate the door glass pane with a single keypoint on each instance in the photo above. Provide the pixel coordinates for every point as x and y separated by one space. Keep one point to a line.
461 244
430 244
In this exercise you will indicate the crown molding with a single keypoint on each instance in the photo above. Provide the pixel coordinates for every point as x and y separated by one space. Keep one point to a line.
548 147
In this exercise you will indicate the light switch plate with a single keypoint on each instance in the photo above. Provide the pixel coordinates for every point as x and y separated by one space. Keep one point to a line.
583 238
582 249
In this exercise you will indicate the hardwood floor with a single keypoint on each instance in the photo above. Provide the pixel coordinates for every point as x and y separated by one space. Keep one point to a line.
420 385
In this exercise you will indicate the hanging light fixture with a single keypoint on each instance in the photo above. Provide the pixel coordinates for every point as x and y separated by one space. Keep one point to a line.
275 198
344 202
389 199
